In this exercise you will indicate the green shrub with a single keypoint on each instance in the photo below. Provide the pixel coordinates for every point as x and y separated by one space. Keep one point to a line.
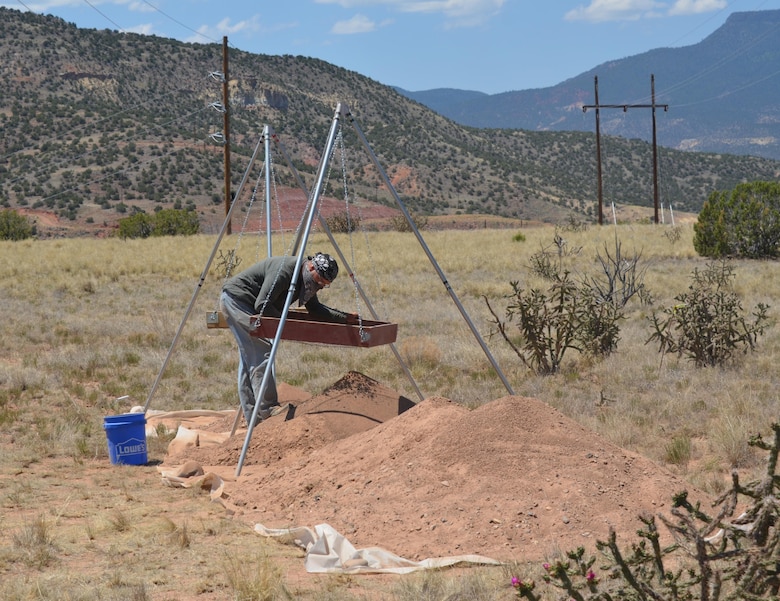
707 324
167 222
171 222
742 223
138 225
14 226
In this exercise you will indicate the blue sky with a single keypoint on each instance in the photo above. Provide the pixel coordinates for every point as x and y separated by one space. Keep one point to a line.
491 46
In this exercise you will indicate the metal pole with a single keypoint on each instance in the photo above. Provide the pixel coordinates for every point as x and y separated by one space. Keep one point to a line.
291 291
363 295
267 132
425 248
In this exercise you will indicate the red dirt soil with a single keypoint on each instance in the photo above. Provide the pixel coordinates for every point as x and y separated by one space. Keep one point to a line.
511 480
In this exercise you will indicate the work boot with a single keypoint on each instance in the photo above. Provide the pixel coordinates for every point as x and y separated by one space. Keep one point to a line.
273 410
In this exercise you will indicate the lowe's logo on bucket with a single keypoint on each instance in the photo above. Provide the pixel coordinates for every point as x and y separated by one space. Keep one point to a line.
131 446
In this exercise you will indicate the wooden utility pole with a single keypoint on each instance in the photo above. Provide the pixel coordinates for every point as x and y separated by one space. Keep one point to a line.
226 125
598 152
625 107
655 149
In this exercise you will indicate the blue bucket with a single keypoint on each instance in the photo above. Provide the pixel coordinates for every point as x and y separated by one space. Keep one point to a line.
126 436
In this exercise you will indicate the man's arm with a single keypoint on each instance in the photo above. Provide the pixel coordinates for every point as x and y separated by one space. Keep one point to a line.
317 309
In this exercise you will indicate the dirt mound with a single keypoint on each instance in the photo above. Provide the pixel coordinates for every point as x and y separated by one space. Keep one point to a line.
513 479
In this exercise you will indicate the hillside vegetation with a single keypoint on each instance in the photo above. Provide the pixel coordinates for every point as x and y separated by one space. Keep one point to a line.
99 124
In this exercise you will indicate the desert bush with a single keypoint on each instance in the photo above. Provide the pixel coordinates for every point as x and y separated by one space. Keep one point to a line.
713 557
582 315
707 324
343 223
623 278
673 234
172 222
744 222
573 224
14 226
548 261
567 316
139 225
227 262
518 237
167 222
399 223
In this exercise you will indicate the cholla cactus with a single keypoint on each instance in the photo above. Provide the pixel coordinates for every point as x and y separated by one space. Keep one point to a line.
722 557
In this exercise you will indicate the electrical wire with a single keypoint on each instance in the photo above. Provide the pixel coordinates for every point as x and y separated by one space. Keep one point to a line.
179 23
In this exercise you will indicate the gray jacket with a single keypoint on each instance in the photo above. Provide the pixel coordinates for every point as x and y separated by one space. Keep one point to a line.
265 285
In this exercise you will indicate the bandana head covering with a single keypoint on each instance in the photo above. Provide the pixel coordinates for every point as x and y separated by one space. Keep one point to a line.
326 267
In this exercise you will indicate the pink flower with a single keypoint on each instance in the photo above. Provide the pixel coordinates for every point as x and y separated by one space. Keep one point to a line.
590 576
516 582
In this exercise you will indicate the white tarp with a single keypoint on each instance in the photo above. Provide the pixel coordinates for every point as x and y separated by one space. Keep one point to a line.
328 551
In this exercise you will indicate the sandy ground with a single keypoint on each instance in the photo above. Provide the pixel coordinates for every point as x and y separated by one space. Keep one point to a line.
511 480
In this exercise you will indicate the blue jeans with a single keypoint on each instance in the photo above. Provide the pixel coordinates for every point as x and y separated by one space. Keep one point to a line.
253 354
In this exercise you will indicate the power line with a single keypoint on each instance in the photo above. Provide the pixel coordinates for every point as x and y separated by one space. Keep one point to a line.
179 23
106 17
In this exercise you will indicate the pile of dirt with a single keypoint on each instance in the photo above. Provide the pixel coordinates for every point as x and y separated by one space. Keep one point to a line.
513 479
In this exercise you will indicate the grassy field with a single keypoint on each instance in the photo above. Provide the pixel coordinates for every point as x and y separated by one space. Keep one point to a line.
88 324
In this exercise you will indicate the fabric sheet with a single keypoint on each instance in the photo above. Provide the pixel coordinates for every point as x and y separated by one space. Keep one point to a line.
328 551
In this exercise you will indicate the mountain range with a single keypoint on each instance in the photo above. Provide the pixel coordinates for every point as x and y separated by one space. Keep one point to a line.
720 95
98 124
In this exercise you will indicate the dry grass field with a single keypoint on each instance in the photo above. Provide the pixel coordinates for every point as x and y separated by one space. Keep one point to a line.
88 324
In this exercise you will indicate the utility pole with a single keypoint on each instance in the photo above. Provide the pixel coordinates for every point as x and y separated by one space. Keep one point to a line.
226 125
625 107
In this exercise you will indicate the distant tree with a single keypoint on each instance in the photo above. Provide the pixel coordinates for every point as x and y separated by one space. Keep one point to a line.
165 222
138 225
742 223
14 226
170 222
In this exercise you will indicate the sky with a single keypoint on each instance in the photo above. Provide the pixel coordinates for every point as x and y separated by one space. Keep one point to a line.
490 46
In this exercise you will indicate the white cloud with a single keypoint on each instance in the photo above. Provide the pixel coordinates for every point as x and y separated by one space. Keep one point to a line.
225 28
632 10
695 7
458 12
616 10
143 29
140 7
357 24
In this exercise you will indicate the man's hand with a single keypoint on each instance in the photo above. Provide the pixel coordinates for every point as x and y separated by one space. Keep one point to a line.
353 319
